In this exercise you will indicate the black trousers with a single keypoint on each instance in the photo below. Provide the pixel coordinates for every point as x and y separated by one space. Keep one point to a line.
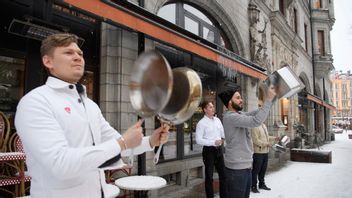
260 163
238 182
213 156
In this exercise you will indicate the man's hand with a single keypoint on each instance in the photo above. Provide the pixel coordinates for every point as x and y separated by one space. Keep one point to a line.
132 137
160 135
218 142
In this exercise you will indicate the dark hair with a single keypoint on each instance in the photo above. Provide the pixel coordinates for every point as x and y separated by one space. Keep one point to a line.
205 103
56 40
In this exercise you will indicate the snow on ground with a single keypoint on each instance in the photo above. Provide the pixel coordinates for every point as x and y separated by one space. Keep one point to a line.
314 180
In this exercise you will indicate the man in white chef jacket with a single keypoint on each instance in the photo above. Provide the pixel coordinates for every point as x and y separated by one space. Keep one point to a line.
64 134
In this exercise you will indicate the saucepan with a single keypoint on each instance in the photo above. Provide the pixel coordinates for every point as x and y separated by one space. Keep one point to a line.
285 82
173 95
282 145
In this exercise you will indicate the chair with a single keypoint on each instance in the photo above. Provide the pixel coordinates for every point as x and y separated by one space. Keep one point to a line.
4 131
14 164
120 168
115 169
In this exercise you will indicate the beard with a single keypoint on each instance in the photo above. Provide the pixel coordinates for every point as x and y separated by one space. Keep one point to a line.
236 106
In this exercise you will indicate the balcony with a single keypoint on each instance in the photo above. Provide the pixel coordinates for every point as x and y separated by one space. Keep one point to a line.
323 16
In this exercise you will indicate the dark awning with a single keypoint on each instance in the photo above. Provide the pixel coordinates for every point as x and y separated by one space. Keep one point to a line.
319 101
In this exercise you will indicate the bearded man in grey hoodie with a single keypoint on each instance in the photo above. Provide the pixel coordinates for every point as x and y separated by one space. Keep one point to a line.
239 148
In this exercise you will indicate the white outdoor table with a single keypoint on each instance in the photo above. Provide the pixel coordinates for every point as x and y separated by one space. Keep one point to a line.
141 183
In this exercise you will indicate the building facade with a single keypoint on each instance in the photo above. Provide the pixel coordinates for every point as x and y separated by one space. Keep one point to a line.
342 98
227 42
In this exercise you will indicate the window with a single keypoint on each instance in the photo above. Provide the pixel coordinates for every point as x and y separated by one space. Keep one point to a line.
317 4
344 91
209 35
88 81
295 18
189 128
169 150
191 25
282 7
207 75
182 139
168 12
11 84
195 21
344 104
285 103
197 13
306 37
321 43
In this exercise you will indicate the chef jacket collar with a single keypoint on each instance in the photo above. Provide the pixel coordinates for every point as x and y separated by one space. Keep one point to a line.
57 83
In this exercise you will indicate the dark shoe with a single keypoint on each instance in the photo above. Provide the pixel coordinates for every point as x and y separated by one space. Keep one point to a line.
254 189
264 187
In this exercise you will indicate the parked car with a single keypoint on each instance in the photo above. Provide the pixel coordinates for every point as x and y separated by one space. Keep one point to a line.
336 129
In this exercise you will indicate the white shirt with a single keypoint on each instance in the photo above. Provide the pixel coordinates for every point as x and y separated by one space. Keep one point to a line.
208 131
57 132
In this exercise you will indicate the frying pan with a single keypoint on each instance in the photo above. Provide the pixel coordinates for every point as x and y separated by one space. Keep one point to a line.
156 90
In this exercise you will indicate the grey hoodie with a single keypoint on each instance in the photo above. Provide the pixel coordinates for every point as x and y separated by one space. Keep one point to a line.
238 139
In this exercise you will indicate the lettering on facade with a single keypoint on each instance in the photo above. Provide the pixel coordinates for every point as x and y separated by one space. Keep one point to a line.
73 13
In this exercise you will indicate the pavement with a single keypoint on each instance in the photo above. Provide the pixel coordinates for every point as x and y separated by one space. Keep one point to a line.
284 180
196 190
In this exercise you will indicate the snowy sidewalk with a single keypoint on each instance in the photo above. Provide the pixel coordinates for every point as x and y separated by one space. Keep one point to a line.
314 180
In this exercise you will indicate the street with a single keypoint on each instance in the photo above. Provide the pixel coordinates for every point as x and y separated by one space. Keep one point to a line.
315 180
303 179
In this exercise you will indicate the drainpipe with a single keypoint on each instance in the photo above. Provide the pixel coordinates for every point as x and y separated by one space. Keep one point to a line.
325 114
312 43
313 63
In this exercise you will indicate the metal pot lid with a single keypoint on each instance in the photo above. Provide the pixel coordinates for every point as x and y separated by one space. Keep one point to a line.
285 81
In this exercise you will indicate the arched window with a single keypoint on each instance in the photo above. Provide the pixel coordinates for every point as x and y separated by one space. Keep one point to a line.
195 21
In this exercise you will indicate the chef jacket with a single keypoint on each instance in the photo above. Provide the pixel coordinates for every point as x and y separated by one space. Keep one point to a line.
66 138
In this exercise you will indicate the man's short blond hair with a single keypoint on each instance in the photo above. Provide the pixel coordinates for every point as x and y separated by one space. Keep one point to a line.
56 40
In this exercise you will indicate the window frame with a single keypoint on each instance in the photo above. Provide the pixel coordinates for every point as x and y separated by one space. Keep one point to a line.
321 42
306 37
201 24
181 13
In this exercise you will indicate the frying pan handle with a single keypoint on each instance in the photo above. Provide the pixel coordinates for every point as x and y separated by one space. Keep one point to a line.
156 156
131 158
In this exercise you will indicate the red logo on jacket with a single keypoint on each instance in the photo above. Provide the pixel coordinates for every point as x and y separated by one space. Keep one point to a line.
68 109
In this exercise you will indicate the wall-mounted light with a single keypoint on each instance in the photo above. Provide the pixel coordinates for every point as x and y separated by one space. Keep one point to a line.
285 119
33 31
